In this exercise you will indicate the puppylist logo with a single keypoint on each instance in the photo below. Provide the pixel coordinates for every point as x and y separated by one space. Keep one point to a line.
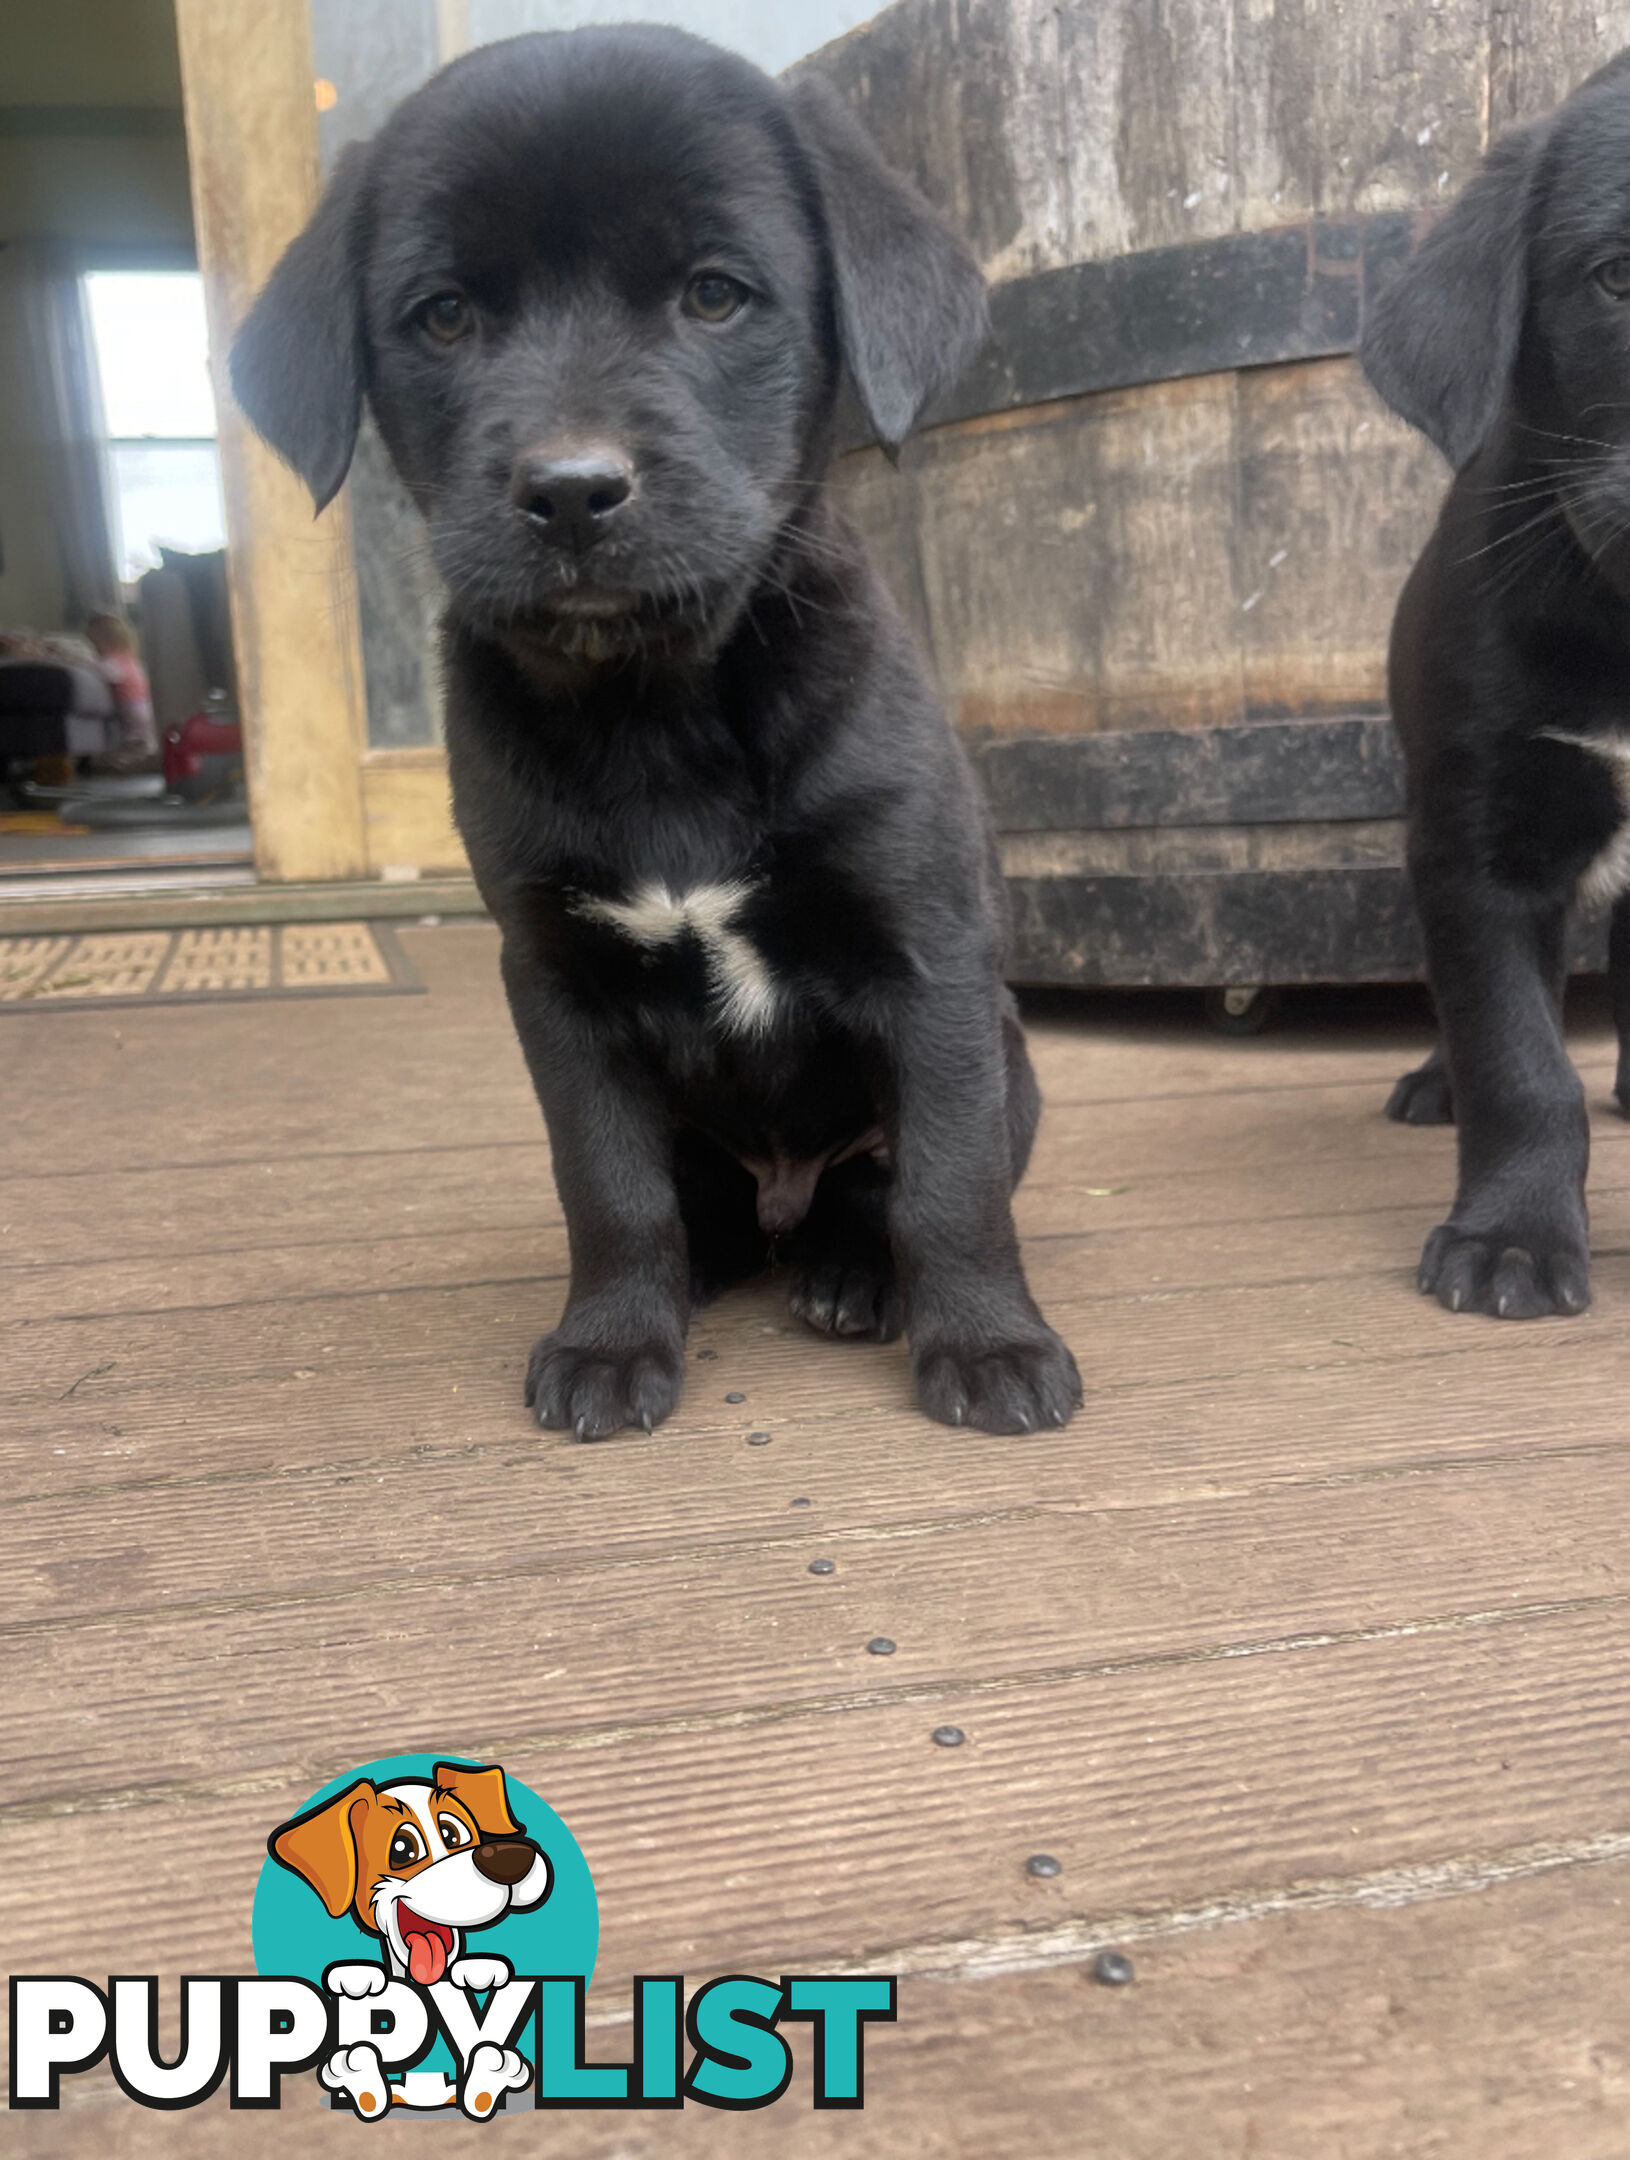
424 1934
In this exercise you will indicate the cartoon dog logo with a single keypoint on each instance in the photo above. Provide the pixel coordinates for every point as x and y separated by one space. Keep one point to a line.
419 1864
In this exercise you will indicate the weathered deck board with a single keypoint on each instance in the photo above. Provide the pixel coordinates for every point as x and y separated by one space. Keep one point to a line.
1324 1601
1064 1583
1446 2027
1163 1787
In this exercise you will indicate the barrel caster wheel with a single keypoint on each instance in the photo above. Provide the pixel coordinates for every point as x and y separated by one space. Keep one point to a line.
1245 1009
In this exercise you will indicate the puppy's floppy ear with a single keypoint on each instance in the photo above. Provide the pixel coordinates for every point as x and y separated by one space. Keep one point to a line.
910 299
321 1845
1442 339
483 1792
296 364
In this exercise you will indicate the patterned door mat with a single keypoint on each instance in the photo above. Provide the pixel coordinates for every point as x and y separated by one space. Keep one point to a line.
185 967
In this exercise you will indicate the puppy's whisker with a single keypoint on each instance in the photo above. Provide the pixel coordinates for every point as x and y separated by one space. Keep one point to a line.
1533 483
1596 442
1503 540
1523 498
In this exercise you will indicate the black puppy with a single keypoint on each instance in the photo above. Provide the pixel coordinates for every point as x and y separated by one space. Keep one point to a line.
1507 340
599 290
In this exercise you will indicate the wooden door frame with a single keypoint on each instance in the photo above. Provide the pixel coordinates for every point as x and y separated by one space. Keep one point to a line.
323 806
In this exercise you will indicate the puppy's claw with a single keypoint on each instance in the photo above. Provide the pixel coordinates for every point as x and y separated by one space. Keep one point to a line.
1423 1097
854 1298
1001 1387
593 1393
1529 1273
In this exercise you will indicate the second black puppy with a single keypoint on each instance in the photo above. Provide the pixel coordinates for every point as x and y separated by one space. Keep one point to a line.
599 290
1507 340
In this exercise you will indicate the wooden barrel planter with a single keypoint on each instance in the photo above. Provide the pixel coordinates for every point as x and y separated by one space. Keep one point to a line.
1153 542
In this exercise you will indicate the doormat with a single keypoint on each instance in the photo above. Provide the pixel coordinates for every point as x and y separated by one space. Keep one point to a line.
192 967
44 824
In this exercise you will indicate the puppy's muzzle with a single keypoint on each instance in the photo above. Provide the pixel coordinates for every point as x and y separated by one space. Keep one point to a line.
570 502
505 1860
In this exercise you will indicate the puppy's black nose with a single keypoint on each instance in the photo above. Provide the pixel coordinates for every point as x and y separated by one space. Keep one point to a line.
570 501
504 1860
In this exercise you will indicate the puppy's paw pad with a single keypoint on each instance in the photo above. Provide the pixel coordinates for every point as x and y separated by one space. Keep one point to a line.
1517 1275
476 1975
1423 1097
856 1299
1027 1385
593 1392
359 2072
491 2072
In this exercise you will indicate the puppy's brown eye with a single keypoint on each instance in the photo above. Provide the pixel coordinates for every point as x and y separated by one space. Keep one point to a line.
1613 277
406 1847
447 317
453 1832
714 298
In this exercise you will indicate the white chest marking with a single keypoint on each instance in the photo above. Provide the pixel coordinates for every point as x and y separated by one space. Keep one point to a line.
743 989
1609 875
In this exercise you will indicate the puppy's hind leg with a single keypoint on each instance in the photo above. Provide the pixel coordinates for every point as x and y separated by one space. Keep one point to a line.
1424 1096
1618 977
718 1205
843 1281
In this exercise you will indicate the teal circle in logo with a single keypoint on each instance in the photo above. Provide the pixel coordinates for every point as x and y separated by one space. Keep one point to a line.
294 1933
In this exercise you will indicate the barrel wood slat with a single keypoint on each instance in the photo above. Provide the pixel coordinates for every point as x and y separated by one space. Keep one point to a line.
1164 501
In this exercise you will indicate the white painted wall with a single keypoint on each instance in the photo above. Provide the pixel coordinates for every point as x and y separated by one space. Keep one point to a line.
773 33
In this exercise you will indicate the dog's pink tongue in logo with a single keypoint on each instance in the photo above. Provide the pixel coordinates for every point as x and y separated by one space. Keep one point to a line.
428 1943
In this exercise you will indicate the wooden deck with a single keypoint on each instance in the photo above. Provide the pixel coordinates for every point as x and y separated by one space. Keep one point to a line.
1305 1650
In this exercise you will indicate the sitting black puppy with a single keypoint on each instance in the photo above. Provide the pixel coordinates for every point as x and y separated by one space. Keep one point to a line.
1507 340
599 289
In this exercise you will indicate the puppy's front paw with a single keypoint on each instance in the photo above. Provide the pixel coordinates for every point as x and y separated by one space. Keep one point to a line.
1423 1097
593 1392
356 1982
1518 1273
476 1975
492 2072
359 2072
1015 1386
855 1298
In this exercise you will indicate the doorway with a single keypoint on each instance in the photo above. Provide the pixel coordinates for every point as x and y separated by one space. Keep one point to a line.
121 761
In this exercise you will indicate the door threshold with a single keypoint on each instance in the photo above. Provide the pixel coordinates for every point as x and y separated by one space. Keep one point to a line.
21 881
180 899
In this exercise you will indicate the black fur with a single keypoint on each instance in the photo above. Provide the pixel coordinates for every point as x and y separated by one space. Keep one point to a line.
1507 340
716 693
